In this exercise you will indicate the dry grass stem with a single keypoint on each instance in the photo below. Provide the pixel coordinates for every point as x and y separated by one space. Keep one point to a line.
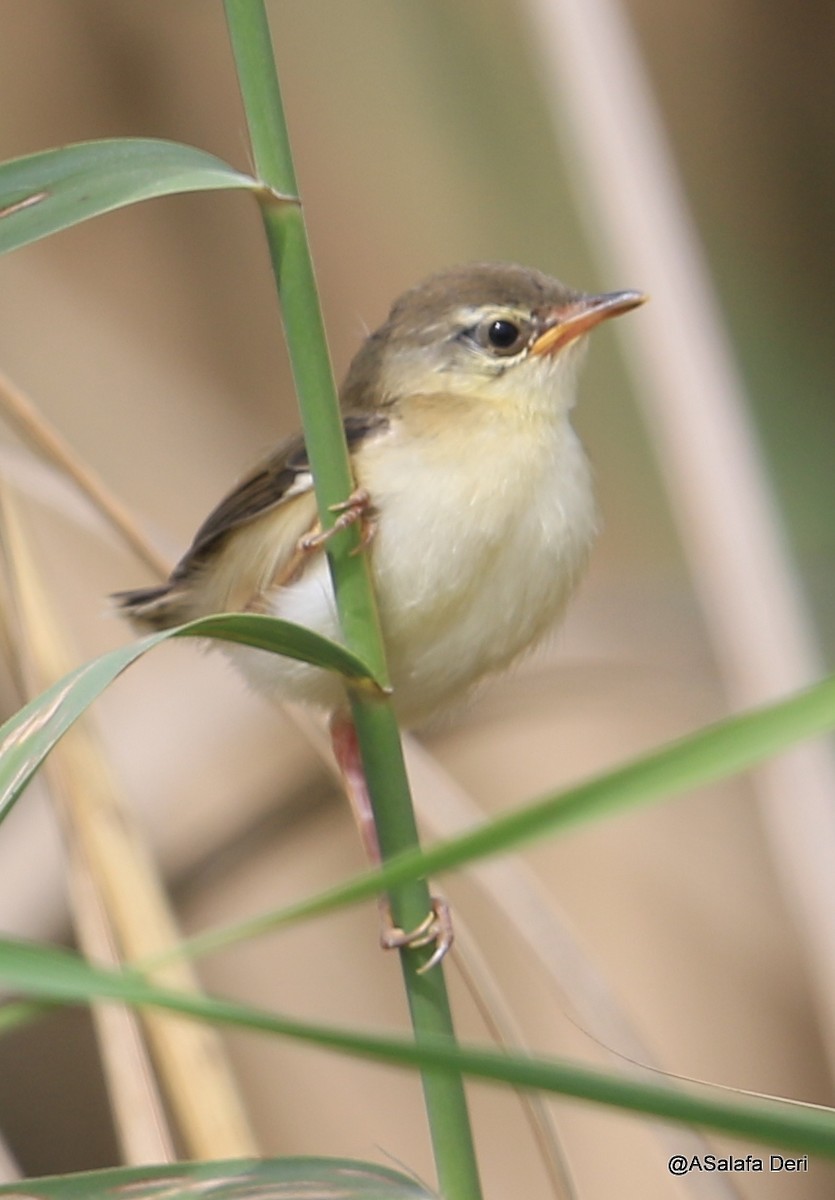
497 1015
138 1116
190 1057
19 411
447 810
138 1112
696 410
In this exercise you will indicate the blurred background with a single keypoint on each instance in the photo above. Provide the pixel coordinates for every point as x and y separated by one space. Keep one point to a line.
151 339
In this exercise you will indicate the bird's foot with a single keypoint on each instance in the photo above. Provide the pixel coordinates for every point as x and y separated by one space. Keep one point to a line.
435 929
357 507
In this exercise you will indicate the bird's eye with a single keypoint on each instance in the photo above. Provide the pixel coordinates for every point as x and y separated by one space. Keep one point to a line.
502 336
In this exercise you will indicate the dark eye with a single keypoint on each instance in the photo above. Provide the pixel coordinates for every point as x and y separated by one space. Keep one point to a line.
503 335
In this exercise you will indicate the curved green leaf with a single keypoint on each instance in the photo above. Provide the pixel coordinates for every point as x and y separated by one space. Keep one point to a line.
46 973
705 756
241 1179
44 193
27 738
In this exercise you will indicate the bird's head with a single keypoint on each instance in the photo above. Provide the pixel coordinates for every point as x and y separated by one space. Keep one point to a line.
497 332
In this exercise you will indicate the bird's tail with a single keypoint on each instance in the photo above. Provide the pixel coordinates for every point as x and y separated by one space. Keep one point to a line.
155 607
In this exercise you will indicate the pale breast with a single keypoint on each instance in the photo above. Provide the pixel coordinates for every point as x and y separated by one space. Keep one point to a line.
477 548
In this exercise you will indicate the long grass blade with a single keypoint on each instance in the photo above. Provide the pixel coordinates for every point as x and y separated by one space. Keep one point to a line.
237 1179
51 974
28 736
703 757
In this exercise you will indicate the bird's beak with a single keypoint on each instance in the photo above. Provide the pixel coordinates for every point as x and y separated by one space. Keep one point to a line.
565 324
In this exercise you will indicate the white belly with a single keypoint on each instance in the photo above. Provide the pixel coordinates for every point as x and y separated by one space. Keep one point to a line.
471 567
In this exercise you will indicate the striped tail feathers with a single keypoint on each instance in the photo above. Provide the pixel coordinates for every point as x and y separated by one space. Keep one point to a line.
155 608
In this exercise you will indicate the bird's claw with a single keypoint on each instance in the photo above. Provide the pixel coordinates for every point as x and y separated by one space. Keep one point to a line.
435 928
357 507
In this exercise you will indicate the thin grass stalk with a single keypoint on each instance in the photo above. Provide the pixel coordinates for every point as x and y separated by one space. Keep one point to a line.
137 1110
695 404
492 1005
376 727
193 1066
19 411
578 986
139 1120
478 977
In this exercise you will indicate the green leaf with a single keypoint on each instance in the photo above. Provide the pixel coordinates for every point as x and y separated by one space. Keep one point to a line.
702 757
242 1179
44 193
46 973
27 738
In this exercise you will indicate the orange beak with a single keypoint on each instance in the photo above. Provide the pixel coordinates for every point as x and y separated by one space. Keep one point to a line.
564 325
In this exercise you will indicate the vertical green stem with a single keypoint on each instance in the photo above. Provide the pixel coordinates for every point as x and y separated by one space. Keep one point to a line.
377 730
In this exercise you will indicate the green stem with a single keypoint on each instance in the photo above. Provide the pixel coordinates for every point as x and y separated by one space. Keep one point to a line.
377 731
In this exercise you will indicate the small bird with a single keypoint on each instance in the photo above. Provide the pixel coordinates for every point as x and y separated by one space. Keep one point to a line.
474 493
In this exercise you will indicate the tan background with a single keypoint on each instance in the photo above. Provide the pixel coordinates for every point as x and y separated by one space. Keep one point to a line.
151 338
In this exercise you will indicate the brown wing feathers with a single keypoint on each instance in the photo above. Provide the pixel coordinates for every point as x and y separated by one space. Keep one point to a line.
281 481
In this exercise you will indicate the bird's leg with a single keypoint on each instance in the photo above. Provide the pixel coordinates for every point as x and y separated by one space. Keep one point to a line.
437 926
357 507
347 752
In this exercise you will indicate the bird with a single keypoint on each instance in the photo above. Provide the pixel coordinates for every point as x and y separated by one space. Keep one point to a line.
473 491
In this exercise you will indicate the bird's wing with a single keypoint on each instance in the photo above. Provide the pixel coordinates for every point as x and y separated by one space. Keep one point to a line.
269 511
279 479
285 474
